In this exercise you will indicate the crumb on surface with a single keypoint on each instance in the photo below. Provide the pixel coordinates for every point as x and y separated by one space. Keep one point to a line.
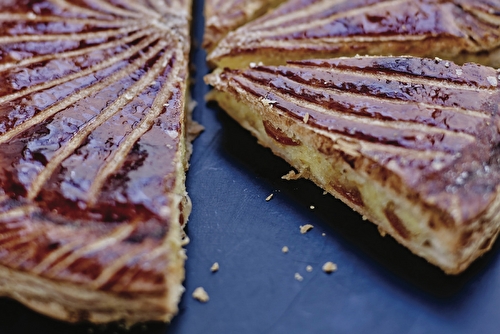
298 277
290 176
284 249
201 295
329 267
493 81
312 207
293 176
306 118
325 192
267 102
382 232
215 267
309 269
306 228
185 241
323 234
270 197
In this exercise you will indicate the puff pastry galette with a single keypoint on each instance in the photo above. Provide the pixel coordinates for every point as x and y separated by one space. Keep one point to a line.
92 156
458 30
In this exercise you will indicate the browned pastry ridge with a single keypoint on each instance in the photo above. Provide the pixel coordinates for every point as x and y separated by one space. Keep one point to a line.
412 144
224 16
458 30
93 154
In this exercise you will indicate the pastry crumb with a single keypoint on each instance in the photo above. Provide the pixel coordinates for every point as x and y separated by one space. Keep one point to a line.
201 295
493 81
312 207
306 228
309 269
267 102
270 197
185 241
284 249
298 277
382 232
292 176
215 267
325 192
306 118
323 234
329 267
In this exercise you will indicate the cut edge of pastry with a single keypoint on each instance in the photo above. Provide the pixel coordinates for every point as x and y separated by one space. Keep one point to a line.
394 214
234 60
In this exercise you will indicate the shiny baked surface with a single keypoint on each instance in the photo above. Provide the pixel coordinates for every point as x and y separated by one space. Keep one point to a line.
92 142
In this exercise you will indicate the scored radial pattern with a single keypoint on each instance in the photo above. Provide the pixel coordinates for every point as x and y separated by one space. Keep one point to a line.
91 138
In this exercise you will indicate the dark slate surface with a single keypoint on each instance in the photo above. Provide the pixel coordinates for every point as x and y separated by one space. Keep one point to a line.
380 287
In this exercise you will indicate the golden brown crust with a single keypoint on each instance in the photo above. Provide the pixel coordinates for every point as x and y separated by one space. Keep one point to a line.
93 155
460 30
410 143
